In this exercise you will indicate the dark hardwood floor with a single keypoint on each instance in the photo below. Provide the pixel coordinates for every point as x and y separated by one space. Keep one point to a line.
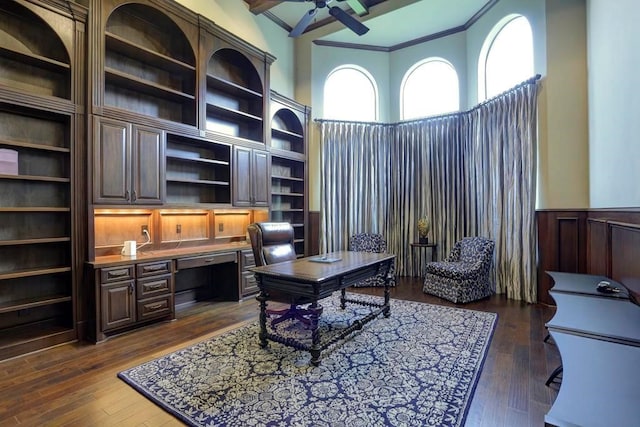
76 384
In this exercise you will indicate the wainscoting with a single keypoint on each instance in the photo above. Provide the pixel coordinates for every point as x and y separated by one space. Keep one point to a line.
591 241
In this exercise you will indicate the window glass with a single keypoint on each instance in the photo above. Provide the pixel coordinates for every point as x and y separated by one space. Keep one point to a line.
508 57
350 93
429 88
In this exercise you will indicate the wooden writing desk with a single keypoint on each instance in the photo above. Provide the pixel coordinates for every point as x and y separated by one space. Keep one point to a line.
309 281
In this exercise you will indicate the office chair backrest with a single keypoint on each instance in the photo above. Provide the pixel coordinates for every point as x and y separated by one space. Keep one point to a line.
272 242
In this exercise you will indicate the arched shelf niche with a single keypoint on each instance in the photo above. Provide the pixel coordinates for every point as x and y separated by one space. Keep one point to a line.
149 67
234 99
34 59
287 131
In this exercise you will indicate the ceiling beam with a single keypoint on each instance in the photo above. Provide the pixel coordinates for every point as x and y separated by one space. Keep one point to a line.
258 6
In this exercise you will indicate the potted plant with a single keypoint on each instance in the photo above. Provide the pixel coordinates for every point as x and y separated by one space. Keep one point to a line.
423 230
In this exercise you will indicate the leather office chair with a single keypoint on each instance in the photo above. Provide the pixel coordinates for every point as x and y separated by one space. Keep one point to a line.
272 242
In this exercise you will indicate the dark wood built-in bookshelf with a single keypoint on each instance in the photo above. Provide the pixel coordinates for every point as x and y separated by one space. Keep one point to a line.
38 103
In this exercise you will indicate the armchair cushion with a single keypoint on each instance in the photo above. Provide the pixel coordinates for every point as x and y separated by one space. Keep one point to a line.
464 275
368 242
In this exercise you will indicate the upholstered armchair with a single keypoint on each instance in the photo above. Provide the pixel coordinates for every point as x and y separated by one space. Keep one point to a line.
272 242
368 242
464 275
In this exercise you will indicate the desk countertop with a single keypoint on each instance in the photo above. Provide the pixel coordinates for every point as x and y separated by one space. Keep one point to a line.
154 255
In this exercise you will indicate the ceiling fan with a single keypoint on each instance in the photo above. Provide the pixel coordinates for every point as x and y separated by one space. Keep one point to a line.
349 21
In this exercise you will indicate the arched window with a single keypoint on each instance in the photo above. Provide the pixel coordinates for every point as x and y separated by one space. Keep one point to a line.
506 58
350 93
429 88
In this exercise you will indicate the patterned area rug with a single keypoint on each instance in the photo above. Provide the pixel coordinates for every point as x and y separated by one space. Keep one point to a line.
418 367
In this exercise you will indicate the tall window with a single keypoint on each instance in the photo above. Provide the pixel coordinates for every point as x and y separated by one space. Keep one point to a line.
429 88
506 58
350 93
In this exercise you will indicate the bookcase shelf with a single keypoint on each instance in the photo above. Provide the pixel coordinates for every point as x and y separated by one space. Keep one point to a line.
234 96
149 65
198 171
289 201
37 278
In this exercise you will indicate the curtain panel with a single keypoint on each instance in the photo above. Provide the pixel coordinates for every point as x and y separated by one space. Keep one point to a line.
471 173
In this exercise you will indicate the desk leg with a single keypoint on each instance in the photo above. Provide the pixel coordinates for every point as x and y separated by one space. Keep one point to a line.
315 333
387 307
262 298
343 297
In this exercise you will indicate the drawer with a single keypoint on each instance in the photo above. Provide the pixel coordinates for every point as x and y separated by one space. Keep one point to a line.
153 268
204 260
247 259
116 274
154 286
155 307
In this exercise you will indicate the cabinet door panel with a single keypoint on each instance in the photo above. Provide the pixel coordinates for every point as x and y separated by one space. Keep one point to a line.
241 176
149 184
261 178
118 306
111 155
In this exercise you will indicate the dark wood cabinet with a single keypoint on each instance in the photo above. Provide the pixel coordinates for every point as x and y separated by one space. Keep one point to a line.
251 170
248 283
289 192
40 54
129 163
128 295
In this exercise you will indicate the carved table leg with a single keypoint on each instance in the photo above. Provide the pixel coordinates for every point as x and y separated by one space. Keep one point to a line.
262 298
315 333
387 307
343 293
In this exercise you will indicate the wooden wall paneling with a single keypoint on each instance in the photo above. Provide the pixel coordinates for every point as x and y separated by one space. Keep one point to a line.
597 247
625 253
314 232
561 247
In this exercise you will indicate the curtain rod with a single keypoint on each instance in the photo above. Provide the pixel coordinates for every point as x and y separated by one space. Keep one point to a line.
532 80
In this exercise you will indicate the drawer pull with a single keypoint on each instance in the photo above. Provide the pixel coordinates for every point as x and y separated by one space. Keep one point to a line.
119 273
155 306
208 260
155 267
154 286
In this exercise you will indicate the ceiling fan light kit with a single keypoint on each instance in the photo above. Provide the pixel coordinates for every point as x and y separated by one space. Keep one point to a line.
338 13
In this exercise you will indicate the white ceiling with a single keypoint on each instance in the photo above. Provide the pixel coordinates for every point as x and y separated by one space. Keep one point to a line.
391 22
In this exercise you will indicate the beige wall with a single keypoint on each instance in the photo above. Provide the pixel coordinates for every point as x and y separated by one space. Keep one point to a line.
614 102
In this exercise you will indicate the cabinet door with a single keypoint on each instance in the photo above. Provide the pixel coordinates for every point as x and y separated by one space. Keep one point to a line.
260 178
112 161
251 177
118 305
242 176
148 166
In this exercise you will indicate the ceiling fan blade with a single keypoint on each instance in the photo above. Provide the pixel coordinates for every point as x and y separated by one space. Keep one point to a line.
349 21
303 23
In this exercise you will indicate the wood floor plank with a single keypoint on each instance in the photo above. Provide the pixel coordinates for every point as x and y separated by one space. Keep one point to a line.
76 384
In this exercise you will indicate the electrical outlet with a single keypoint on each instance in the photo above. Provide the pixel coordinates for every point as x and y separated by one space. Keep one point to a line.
178 228
221 227
143 229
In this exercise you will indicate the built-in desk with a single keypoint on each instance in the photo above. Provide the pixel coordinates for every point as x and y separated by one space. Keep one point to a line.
598 336
130 291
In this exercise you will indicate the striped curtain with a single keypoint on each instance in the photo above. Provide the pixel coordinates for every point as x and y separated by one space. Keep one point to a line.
472 173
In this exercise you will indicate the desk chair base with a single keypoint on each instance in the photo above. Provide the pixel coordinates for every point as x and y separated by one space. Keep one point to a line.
295 313
553 375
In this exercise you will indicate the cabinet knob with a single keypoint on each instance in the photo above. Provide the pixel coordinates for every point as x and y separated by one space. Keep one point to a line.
133 196
126 195
130 288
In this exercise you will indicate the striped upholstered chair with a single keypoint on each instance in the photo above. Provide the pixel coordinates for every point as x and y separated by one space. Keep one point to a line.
368 242
464 276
